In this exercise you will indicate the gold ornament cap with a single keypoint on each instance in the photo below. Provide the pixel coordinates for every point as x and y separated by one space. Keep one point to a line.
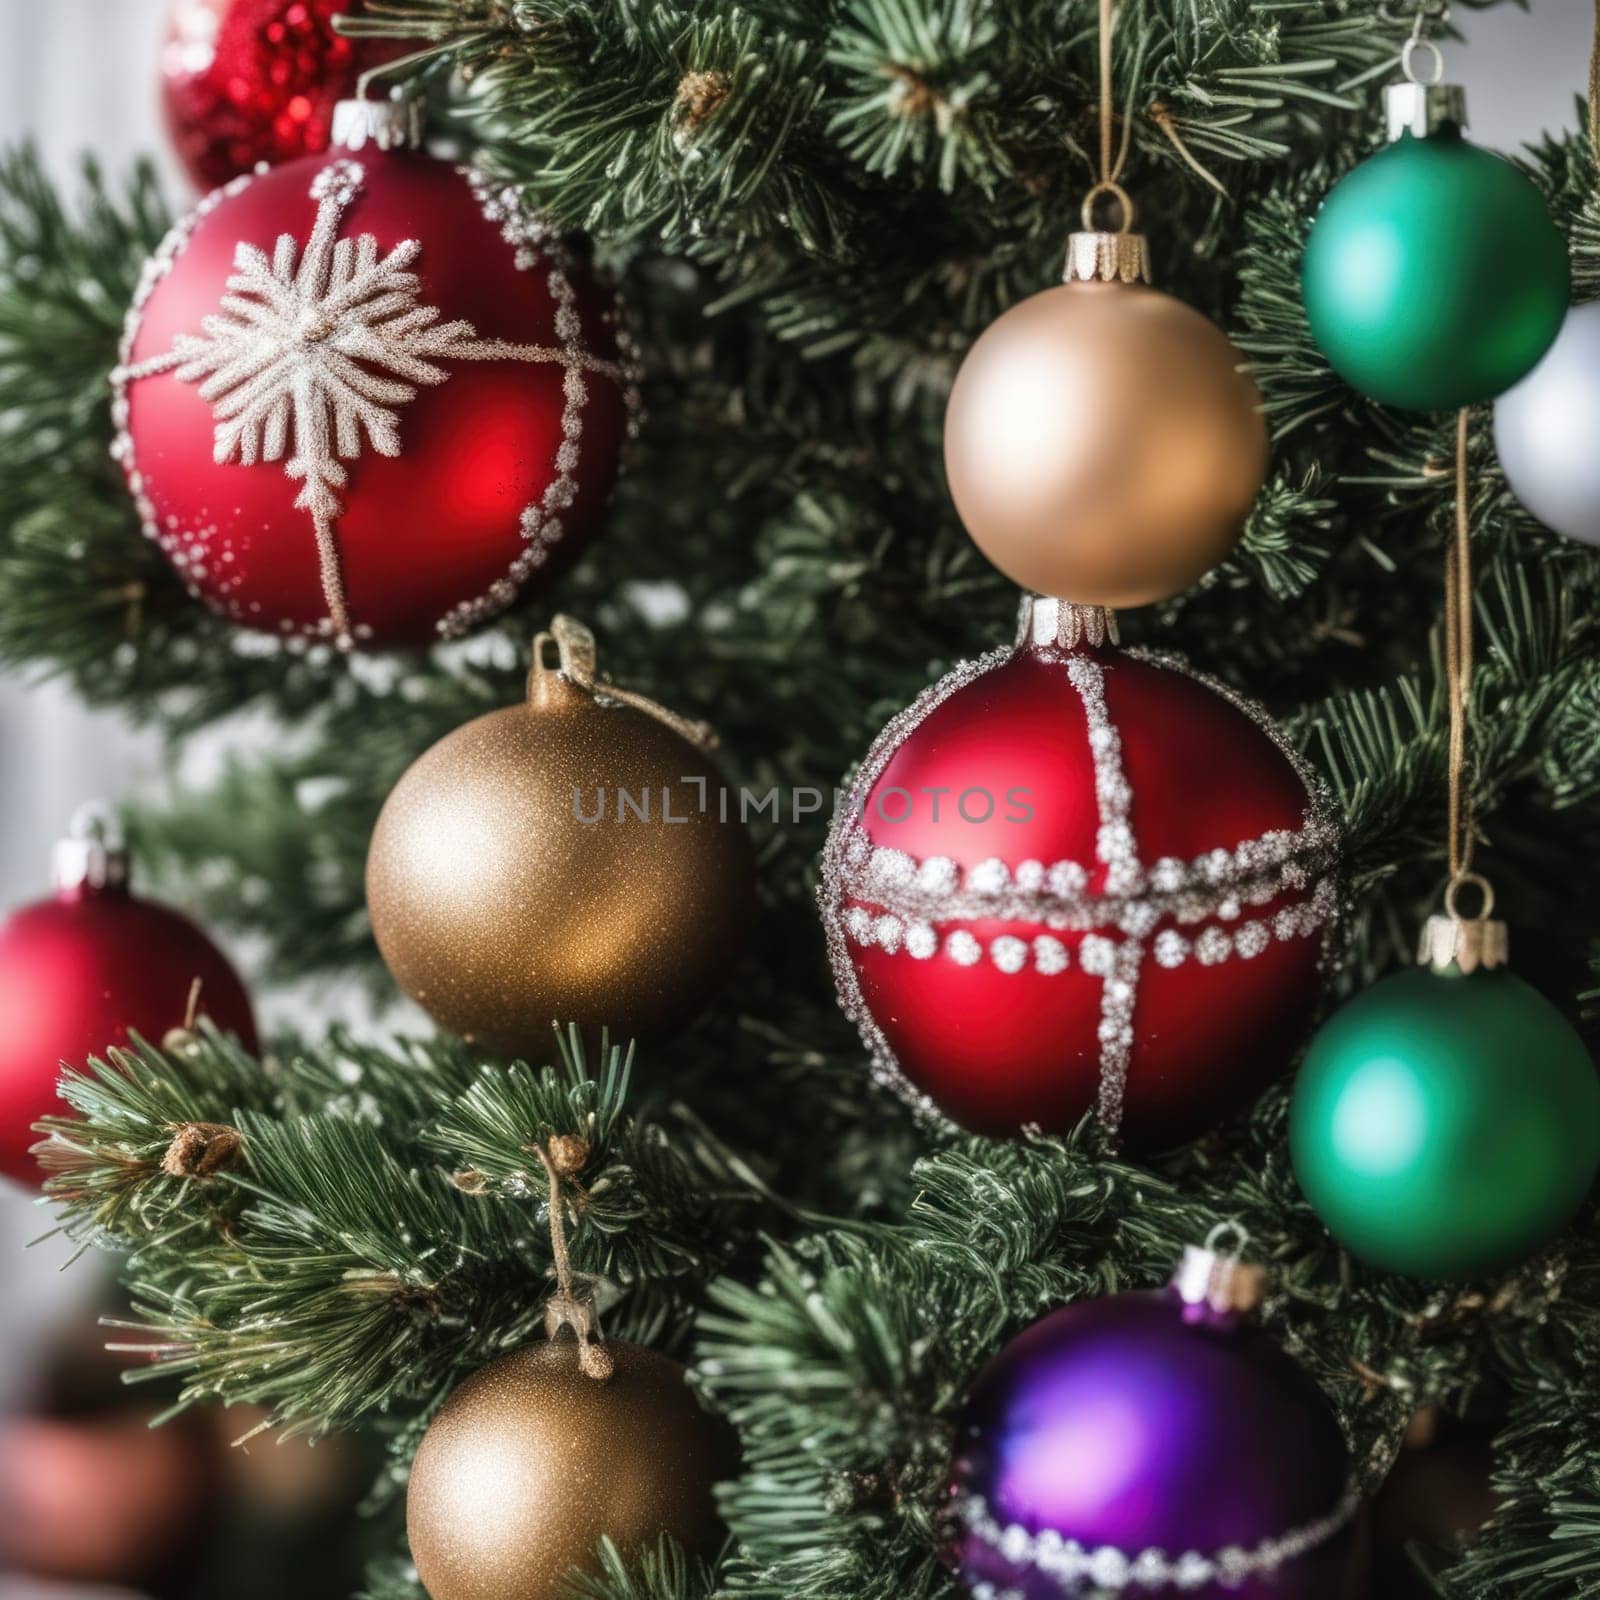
93 855
1454 942
1211 1278
1097 255
1094 257
1043 620
394 124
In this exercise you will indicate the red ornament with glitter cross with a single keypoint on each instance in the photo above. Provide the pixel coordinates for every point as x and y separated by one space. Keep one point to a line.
1074 878
367 396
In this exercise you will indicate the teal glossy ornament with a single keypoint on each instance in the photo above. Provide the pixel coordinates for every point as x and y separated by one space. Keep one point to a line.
1446 1122
1434 277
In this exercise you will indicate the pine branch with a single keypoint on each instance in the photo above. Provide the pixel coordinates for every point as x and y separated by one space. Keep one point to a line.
363 1255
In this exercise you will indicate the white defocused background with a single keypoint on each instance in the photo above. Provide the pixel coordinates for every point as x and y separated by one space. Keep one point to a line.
79 75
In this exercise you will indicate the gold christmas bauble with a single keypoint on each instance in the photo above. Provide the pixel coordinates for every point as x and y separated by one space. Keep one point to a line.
571 859
1103 444
530 1462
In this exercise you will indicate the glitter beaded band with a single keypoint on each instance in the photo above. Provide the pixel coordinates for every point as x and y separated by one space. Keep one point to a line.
1045 953
1108 1568
533 240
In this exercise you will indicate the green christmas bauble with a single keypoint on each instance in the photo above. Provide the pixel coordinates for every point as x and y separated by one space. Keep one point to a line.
1446 1125
1434 277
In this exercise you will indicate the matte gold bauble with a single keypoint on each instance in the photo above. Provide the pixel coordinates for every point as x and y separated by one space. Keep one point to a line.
564 860
1101 442
530 1463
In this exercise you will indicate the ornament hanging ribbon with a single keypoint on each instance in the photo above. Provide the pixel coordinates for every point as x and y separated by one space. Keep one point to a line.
563 1158
577 663
1458 664
1109 185
1112 162
1454 939
1594 90
1095 253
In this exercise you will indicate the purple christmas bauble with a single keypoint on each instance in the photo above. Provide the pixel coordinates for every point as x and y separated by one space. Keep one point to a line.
1147 1444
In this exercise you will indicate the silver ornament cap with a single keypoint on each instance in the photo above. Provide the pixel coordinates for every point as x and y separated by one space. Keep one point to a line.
93 855
1453 942
1423 104
1043 621
1421 109
394 124
1101 255
1217 1280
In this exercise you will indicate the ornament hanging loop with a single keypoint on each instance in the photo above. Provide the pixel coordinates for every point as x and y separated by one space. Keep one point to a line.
1433 73
1228 1229
576 656
577 667
1474 880
1454 941
1098 254
1108 189
1424 103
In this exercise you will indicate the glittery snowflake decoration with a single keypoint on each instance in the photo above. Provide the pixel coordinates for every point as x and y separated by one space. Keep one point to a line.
310 352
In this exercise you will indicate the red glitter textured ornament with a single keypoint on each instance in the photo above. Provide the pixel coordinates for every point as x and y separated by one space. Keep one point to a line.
365 396
82 969
246 81
1072 877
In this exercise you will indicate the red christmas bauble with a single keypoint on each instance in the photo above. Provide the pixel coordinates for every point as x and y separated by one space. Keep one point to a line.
246 81
1072 877
81 970
365 396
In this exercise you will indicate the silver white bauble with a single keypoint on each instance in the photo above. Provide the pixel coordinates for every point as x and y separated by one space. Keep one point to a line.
1547 430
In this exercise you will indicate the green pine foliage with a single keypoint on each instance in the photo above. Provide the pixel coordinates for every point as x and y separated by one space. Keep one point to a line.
811 207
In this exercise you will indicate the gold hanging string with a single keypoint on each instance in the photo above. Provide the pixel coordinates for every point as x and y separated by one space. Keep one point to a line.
1458 665
1594 90
1113 156
570 1307
1107 22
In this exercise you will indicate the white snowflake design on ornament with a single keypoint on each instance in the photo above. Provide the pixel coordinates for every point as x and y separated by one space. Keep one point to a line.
313 352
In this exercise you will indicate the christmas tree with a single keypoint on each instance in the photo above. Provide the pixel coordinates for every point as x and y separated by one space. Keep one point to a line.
809 210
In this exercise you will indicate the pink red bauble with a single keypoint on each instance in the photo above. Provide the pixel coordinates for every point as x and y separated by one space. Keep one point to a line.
82 970
1076 878
245 81
366 396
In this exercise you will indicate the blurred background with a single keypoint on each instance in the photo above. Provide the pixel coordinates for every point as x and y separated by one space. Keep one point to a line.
93 1503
